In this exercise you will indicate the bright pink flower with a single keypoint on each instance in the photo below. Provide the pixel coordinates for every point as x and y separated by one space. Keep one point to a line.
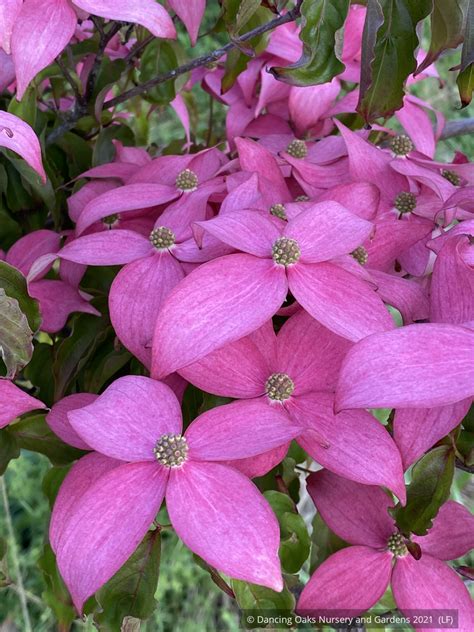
154 261
217 512
57 418
43 28
57 297
9 10
232 296
18 136
355 578
452 281
418 366
296 372
15 402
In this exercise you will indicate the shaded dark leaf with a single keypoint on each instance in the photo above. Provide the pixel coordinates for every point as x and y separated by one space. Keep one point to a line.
318 63
388 46
431 482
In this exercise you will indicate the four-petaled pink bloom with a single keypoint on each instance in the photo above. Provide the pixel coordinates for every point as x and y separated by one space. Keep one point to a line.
231 296
296 372
355 578
111 497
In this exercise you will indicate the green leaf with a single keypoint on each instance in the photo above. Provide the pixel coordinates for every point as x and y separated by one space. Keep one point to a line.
14 284
41 192
74 352
39 371
104 150
131 591
431 482
447 20
388 45
322 19
52 481
56 595
215 577
27 108
324 543
16 337
253 599
34 434
465 83
294 537
236 61
9 449
159 57
246 10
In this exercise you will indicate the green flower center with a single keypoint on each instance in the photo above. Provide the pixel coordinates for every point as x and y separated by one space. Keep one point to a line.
286 251
396 545
451 176
187 180
401 145
279 387
297 149
111 220
360 254
171 450
278 210
162 238
405 202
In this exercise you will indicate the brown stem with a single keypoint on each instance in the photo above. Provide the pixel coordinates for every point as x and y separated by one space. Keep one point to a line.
81 110
204 59
458 128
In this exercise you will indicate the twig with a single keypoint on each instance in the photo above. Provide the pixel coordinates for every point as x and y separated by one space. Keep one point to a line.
204 59
458 128
80 111
465 468
136 50
67 75
15 558
81 105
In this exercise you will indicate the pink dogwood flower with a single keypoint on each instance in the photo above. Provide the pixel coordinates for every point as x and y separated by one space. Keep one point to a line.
233 295
135 426
18 136
14 402
417 366
356 577
296 372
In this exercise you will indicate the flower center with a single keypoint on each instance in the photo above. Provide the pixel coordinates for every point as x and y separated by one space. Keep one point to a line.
401 145
279 387
360 254
302 198
278 210
286 251
162 238
396 545
297 149
171 450
451 176
187 180
405 202
111 220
